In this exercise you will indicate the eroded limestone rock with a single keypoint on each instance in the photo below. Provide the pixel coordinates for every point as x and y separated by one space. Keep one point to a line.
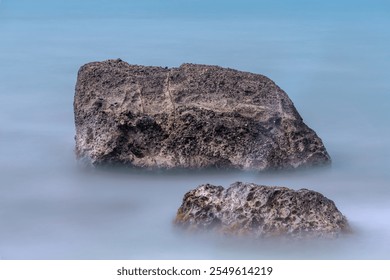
193 116
260 211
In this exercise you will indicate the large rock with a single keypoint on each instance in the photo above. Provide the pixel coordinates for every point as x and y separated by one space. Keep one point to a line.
193 116
261 211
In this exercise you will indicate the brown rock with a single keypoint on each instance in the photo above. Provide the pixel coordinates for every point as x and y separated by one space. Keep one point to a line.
193 116
260 211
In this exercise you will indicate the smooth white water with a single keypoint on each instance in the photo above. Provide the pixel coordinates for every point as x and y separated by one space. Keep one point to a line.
331 58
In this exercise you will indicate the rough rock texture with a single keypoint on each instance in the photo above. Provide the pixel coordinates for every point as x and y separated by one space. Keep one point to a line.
193 116
261 211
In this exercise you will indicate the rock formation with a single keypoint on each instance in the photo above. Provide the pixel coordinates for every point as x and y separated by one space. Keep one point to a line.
260 211
193 116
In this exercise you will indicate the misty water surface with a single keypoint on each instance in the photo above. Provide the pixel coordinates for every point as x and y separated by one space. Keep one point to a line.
331 57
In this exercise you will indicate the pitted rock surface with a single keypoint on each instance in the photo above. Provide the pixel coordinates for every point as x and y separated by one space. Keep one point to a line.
261 211
193 116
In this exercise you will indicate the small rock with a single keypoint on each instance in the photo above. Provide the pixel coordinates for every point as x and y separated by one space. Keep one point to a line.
260 211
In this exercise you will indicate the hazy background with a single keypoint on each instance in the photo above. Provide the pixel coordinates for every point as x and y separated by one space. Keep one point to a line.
331 57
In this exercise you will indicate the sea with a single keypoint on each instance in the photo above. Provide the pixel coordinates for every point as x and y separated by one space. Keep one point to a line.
331 57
